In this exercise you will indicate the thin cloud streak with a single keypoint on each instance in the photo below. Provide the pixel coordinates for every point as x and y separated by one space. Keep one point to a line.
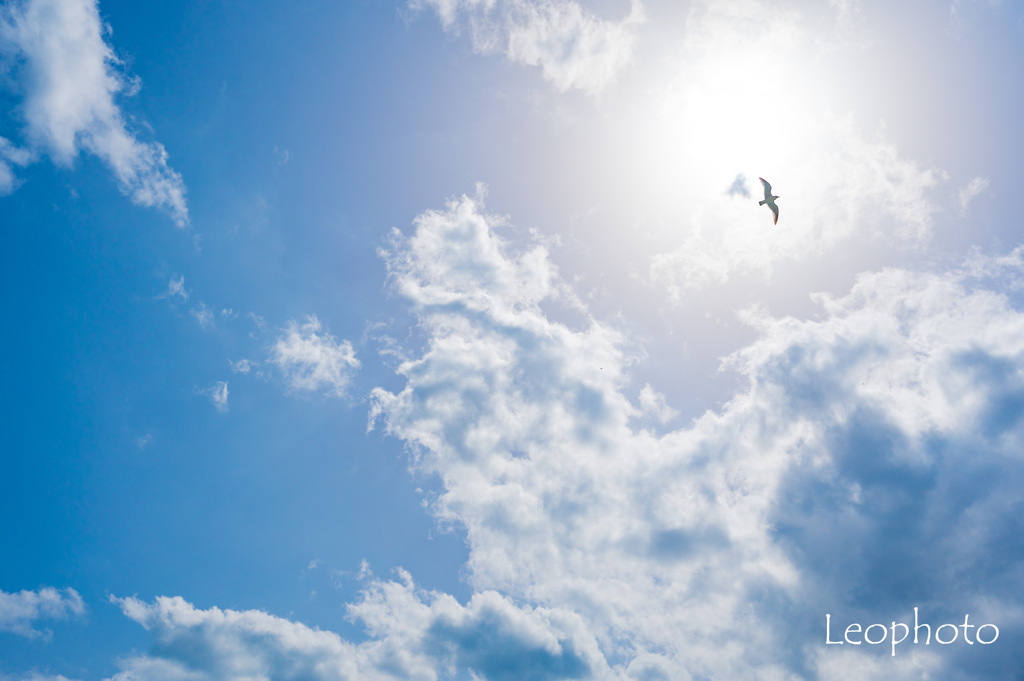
217 394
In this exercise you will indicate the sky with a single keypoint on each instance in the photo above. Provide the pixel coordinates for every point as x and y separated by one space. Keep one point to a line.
447 339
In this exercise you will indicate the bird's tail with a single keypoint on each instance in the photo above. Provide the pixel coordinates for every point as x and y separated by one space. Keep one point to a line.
761 203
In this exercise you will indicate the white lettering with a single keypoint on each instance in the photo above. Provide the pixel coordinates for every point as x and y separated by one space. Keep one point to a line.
828 634
868 638
967 626
917 626
857 633
977 634
938 638
906 632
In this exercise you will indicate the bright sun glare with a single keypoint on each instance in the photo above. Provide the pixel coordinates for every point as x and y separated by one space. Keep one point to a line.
734 107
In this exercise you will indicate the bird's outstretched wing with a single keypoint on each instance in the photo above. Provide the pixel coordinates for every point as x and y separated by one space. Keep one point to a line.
767 187
775 210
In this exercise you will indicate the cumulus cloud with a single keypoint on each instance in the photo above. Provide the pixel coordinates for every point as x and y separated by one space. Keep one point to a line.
414 634
573 47
871 465
311 359
69 77
526 423
19 611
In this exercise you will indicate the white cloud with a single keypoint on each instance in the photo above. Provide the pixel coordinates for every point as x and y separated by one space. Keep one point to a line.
415 635
69 77
176 289
525 422
201 312
652 402
226 645
573 47
10 155
872 464
19 611
203 315
218 395
258 321
737 98
840 187
865 184
242 366
311 359
973 189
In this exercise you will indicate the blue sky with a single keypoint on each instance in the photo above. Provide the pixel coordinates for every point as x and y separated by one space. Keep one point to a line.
445 339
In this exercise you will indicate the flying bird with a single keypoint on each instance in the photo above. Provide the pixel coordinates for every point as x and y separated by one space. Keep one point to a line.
769 199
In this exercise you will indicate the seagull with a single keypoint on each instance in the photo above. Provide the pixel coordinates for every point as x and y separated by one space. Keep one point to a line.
769 199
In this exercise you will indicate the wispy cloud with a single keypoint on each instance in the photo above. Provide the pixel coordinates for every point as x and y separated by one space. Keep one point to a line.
176 289
311 359
69 76
653 403
974 188
11 155
203 315
573 47
242 366
739 187
201 312
20 611
217 394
